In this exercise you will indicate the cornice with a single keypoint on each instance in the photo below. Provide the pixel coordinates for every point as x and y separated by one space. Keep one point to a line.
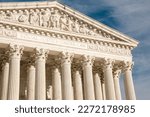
35 4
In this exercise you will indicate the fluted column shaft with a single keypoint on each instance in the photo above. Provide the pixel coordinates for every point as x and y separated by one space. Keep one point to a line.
117 84
103 90
108 77
30 82
66 59
5 76
15 53
88 78
56 84
40 77
78 91
128 82
97 87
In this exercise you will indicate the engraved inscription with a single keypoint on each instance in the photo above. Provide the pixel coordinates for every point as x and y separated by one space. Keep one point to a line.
8 33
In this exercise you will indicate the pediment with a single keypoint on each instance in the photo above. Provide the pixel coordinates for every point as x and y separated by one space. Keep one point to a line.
57 17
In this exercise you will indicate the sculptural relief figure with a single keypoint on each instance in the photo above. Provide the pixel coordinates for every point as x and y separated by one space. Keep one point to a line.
75 26
69 23
92 32
87 30
15 15
82 29
24 17
63 23
2 15
54 19
34 17
45 18
20 12
9 15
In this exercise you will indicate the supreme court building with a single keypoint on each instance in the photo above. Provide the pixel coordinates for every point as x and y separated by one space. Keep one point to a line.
50 51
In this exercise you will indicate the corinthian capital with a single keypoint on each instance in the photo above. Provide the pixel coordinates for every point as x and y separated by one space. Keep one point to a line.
66 57
41 53
88 60
30 61
76 65
4 59
15 50
116 73
108 63
127 65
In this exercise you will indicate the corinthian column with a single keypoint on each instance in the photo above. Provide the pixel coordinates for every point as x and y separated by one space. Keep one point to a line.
108 78
31 80
15 53
117 84
77 83
5 76
128 82
40 76
103 89
97 87
88 77
66 59
56 84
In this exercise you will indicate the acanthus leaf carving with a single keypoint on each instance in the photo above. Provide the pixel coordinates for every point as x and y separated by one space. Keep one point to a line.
66 57
41 54
116 73
108 63
88 60
127 65
15 51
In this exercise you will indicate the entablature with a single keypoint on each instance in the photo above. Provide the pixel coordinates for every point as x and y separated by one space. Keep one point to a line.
58 43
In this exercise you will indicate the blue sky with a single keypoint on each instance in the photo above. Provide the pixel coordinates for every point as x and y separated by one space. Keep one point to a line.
130 17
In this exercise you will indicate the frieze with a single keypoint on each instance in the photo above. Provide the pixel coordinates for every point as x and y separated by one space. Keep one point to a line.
66 43
52 18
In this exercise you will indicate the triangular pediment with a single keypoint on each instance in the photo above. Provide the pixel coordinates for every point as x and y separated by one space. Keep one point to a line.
54 16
